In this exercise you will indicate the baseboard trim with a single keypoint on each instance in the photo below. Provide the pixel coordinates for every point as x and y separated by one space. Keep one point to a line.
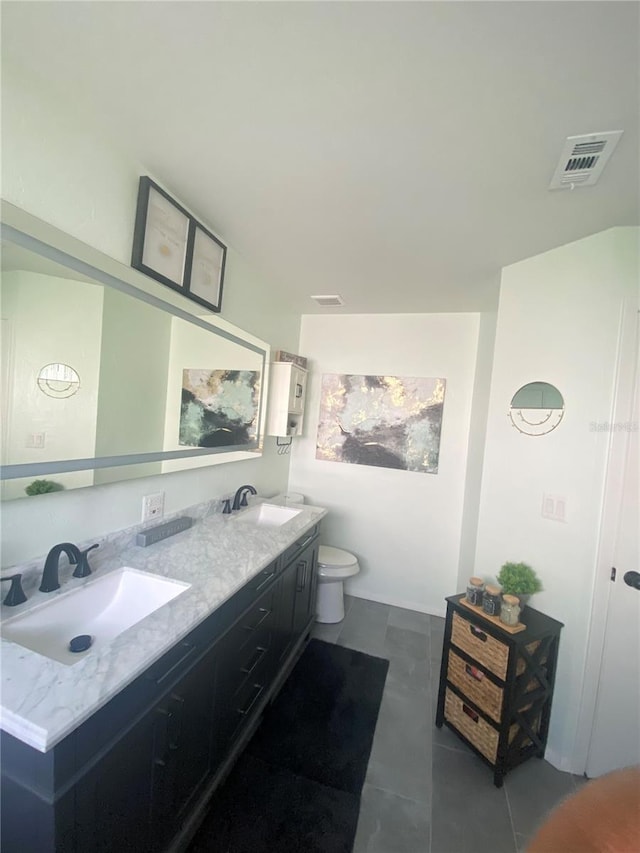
399 602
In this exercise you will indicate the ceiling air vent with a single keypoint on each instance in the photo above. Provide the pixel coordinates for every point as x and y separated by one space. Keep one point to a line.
583 158
329 300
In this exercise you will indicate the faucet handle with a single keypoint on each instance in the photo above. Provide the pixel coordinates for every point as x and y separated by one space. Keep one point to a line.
16 593
227 506
83 569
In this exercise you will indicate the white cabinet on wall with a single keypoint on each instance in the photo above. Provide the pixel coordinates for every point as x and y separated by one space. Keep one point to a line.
287 391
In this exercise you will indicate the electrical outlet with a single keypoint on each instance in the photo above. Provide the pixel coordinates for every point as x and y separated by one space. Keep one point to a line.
153 506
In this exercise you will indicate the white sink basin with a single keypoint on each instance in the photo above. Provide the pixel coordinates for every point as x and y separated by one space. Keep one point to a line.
269 515
103 608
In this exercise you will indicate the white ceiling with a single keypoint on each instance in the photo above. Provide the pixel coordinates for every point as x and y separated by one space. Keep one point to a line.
395 153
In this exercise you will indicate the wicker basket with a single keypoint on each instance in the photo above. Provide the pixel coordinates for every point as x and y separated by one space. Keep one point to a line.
473 683
477 730
484 648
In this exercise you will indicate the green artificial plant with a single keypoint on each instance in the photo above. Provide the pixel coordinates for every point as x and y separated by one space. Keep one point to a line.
519 579
41 487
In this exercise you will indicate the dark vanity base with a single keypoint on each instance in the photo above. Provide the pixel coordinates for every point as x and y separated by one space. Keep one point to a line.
137 776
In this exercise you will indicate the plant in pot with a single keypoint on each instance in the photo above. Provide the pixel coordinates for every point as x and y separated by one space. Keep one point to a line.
519 579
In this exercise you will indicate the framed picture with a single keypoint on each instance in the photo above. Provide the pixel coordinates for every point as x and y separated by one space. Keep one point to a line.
205 274
161 236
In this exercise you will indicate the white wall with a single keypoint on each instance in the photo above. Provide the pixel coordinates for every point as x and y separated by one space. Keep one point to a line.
558 321
59 167
404 526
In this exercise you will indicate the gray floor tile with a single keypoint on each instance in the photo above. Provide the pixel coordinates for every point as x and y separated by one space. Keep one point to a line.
391 824
326 632
408 675
402 642
402 740
409 619
367 643
469 814
534 789
578 781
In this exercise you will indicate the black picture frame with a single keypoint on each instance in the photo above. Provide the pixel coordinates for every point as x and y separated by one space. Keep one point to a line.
161 236
207 257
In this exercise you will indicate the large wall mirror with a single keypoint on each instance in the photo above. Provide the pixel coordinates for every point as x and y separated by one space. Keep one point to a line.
105 378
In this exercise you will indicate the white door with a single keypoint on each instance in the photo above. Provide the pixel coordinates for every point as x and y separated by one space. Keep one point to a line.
615 738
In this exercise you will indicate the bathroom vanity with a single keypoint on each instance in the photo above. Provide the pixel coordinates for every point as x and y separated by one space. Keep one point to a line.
132 769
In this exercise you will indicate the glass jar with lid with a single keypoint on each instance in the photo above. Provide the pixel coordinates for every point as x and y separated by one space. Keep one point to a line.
475 588
491 600
510 610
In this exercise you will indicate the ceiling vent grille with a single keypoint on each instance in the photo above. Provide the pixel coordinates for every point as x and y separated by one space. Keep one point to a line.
583 158
329 300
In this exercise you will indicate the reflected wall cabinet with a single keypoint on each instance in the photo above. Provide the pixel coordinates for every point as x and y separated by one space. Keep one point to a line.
287 392
496 687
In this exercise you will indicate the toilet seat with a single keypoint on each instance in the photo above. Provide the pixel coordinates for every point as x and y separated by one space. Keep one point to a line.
335 563
334 558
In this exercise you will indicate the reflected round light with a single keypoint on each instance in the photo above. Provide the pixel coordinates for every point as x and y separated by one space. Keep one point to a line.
58 380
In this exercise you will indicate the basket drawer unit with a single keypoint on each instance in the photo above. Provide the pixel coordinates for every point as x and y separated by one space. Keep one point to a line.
496 685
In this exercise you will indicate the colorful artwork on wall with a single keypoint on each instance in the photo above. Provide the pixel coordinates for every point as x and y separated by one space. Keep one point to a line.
219 407
386 421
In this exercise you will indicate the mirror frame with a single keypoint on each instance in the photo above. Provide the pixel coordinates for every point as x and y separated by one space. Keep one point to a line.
36 235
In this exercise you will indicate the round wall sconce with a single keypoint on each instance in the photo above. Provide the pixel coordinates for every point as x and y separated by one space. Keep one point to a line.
58 380
537 408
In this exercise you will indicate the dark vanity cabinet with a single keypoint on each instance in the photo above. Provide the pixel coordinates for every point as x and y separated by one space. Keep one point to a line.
138 774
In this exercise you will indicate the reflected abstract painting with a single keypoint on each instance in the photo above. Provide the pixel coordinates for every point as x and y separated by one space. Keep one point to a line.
219 407
386 421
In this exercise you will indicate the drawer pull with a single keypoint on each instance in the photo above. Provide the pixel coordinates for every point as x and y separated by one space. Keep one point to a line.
188 649
266 580
474 672
470 713
244 711
478 634
264 612
255 660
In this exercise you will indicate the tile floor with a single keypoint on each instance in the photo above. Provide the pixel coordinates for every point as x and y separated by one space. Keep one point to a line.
425 791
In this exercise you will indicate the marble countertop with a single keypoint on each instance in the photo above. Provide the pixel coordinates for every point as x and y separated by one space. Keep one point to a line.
42 700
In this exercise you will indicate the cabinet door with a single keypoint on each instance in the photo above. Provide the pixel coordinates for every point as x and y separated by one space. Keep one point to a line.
305 571
113 799
183 755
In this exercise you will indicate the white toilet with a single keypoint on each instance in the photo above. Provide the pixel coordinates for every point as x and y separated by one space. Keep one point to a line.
334 567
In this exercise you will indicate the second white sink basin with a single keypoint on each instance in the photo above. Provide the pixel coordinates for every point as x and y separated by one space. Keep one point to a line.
102 608
270 515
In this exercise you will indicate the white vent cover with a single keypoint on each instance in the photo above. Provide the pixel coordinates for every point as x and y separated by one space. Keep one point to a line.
329 300
583 158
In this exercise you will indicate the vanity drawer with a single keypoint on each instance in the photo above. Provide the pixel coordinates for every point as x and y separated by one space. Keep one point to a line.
259 616
293 550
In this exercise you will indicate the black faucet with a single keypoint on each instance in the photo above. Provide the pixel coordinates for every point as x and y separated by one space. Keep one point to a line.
241 496
16 593
50 573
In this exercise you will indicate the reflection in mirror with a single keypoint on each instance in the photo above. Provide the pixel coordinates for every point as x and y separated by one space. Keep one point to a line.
102 381
537 408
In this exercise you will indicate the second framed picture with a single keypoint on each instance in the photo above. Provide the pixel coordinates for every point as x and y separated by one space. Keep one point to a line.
205 274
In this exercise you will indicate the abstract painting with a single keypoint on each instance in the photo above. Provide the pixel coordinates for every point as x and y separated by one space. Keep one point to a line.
219 407
387 421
